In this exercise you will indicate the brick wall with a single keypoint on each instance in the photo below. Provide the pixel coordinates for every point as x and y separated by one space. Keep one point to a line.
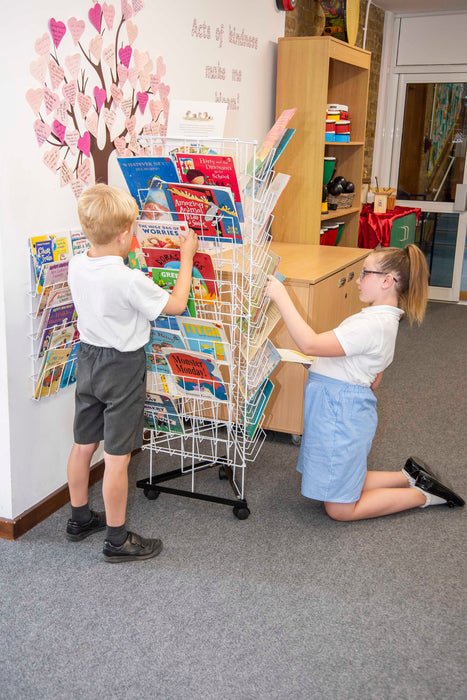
307 20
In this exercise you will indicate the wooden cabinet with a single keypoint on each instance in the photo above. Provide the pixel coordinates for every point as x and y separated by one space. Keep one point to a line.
322 283
311 73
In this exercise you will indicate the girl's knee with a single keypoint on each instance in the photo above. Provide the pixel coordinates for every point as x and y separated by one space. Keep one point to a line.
342 512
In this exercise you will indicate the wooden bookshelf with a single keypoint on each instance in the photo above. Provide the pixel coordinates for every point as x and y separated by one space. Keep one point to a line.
312 72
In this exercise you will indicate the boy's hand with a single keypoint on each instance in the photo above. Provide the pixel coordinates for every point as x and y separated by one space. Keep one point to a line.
188 244
274 289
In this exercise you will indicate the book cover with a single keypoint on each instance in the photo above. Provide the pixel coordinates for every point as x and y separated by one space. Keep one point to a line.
140 172
160 234
46 250
71 365
209 211
284 140
204 284
205 336
255 408
161 415
52 318
62 336
265 209
288 355
272 140
196 374
55 273
157 206
199 169
253 341
160 340
51 372
165 277
260 367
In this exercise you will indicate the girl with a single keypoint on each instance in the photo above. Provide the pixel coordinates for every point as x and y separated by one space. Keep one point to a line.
340 407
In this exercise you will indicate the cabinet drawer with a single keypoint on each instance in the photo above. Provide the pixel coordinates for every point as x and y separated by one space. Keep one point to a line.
334 298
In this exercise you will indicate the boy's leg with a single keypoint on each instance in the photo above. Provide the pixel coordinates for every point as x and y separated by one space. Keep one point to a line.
83 521
115 488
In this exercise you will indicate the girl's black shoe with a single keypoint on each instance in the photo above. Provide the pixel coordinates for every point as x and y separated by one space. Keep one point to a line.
430 484
415 466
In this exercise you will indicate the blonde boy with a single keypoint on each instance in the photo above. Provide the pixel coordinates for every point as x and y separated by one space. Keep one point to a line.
115 305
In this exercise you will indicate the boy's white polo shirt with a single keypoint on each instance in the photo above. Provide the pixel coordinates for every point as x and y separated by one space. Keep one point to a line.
114 303
368 340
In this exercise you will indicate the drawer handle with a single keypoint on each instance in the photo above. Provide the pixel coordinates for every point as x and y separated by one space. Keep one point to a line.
350 276
341 282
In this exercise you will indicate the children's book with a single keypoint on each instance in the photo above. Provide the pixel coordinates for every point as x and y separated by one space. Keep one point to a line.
160 234
161 415
272 140
79 242
69 371
205 287
196 374
55 273
157 206
205 336
288 355
46 250
160 340
165 277
263 363
268 265
198 169
48 294
51 372
265 208
284 140
252 343
140 172
52 318
255 408
63 336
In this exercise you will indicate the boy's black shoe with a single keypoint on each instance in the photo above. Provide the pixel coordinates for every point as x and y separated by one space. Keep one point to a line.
134 547
414 467
78 531
429 484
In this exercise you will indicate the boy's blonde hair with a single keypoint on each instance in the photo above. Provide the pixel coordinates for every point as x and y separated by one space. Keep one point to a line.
105 212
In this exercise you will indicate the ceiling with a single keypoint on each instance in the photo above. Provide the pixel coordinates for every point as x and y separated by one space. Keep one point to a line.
421 6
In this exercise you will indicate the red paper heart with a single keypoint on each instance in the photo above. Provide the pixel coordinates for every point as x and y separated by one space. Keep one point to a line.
59 129
142 98
95 16
84 143
125 55
100 96
57 30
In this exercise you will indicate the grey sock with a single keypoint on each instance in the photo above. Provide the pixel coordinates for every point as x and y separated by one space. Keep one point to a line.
116 535
81 514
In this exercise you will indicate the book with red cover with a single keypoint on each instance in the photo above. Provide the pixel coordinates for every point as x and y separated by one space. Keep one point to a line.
203 269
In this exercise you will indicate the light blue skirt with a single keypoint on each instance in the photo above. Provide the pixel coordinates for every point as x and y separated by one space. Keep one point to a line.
339 426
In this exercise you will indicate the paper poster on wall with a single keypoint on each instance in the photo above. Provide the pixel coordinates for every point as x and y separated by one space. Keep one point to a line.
193 119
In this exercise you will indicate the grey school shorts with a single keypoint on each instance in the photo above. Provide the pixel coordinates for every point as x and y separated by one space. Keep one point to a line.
109 399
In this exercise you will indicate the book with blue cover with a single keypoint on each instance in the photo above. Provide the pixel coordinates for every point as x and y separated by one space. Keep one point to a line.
140 172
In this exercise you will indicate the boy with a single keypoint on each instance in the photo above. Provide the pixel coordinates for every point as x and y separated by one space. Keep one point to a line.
114 305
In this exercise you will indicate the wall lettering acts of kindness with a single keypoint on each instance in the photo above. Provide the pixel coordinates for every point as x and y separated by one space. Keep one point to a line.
226 36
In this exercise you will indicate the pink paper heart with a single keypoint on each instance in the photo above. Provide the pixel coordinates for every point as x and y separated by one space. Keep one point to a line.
66 174
95 46
108 54
142 98
161 68
133 77
155 81
84 144
164 91
124 55
42 131
76 27
77 187
59 129
50 158
57 30
73 63
51 100
71 140
130 124
140 58
84 103
144 81
100 96
156 108
39 68
120 145
109 14
34 98
137 5
132 31
127 10
56 73
126 107
117 94
95 16
148 67
84 171
92 122
69 92
122 72
61 112
133 145
109 117
42 45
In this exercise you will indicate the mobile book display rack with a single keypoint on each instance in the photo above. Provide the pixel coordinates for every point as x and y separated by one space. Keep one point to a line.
208 386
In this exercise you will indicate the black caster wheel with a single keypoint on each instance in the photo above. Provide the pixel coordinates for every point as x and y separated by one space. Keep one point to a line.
296 440
241 512
151 493
222 473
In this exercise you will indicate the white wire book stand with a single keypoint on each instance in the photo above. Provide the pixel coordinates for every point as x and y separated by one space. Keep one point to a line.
218 418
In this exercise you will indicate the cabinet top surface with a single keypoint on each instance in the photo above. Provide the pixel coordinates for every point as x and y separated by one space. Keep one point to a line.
312 263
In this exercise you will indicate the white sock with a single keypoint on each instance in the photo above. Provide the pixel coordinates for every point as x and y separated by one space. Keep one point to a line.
431 499
409 478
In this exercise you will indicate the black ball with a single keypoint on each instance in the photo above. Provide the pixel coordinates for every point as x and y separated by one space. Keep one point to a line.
349 187
340 179
335 188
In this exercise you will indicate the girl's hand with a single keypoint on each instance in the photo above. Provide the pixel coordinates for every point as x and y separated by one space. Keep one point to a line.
377 381
188 244
274 289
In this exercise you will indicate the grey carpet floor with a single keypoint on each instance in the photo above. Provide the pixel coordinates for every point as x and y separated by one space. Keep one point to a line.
286 604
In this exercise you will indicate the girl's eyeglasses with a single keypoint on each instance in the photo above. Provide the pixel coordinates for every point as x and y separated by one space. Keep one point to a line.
363 274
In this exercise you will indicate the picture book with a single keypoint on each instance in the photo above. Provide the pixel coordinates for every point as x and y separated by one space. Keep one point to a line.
267 266
255 408
51 372
62 336
205 288
79 242
161 415
205 336
261 366
165 277
284 140
196 374
69 371
157 206
199 169
272 140
55 273
160 234
49 294
288 355
53 317
265 208
159 340
140 172
252 343
209 211
46 250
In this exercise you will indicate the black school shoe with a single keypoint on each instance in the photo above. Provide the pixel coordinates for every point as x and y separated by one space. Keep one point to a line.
414 467
430 484
77 531
134 547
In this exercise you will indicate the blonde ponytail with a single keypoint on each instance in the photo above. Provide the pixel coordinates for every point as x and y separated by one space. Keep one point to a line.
409 269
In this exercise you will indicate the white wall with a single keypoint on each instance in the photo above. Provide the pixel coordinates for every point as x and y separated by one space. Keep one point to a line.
35 437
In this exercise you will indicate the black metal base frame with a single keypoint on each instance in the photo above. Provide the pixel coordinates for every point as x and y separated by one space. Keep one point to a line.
152 488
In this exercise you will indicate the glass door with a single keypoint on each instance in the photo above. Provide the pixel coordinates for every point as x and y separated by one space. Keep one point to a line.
429 170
